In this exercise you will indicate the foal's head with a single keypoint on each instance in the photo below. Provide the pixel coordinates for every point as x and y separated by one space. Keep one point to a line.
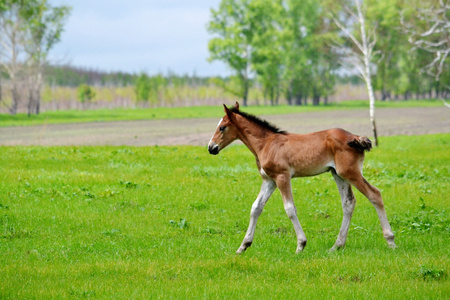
226 131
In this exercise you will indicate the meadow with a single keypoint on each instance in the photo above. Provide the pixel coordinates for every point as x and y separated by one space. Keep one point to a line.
165 222
164 113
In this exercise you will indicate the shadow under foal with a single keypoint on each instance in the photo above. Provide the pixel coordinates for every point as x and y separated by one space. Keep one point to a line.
281 156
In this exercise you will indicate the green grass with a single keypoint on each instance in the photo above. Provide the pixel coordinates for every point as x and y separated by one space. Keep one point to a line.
165 222
102 115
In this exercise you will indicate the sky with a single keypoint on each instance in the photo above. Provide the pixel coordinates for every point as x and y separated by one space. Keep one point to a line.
135 36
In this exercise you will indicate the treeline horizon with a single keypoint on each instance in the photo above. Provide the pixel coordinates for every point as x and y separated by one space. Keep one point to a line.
68 75
113 89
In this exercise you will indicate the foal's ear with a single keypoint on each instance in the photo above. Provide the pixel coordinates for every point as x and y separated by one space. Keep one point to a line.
228 112
236 105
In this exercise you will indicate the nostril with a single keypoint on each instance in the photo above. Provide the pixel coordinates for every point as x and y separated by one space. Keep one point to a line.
213 149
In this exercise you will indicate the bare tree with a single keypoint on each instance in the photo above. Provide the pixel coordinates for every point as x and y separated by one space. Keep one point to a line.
429 30
360 55
11 49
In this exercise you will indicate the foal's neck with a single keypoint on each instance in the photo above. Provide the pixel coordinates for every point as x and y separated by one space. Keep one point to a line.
254 136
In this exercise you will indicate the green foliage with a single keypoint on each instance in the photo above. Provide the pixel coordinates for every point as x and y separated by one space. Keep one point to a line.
283 42
46 25
427 273
33 28
143 88
233 29
85 93
289 47
182 224
149 88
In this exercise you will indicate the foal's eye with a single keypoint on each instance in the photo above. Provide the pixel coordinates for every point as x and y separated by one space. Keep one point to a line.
222 128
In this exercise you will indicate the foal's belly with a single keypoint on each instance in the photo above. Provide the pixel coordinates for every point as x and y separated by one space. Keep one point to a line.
310 171
315 167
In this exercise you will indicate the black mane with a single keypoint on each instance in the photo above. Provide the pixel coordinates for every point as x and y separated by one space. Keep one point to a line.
258 121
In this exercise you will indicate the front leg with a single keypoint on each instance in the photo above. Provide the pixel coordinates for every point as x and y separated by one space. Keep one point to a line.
284 184
267 188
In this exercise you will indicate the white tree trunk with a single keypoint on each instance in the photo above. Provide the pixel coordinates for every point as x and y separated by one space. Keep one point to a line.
371 102
367 53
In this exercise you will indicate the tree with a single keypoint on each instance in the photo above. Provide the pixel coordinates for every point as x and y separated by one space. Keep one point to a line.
12 35
142 88
234 32
267 58
359 52
45 25
85 93
323 60
399 66
428 29
157 84
281 42
296 42
28 30
390 45
308 62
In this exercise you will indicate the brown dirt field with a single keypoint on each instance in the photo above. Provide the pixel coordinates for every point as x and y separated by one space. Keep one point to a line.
397 121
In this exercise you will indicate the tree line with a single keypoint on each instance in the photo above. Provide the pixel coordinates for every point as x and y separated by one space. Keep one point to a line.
148 88
297 48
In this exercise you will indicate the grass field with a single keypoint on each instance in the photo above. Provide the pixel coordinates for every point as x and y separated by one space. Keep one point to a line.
165 222
102 115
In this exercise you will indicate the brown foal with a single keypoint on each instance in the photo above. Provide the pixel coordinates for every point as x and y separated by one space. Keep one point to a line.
281 156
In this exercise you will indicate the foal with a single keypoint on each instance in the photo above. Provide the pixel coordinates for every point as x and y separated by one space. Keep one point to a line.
281 156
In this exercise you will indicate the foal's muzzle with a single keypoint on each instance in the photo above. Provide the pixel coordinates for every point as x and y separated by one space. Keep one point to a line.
213 149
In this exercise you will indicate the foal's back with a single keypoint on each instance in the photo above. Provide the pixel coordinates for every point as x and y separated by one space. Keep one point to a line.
313 153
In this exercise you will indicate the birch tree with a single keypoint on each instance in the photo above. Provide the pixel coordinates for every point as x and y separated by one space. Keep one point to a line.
359 53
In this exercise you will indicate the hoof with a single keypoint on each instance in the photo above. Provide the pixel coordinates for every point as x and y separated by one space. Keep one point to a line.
300 247
392 245
390 241
243 247
240 250
336 247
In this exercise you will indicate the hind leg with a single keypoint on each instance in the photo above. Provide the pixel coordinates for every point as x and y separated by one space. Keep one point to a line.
348 206
374 196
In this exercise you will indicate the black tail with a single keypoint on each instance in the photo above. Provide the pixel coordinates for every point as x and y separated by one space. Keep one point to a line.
361 143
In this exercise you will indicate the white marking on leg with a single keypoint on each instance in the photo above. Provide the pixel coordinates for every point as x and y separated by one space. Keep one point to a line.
291 212
267 188
348 206
284 185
